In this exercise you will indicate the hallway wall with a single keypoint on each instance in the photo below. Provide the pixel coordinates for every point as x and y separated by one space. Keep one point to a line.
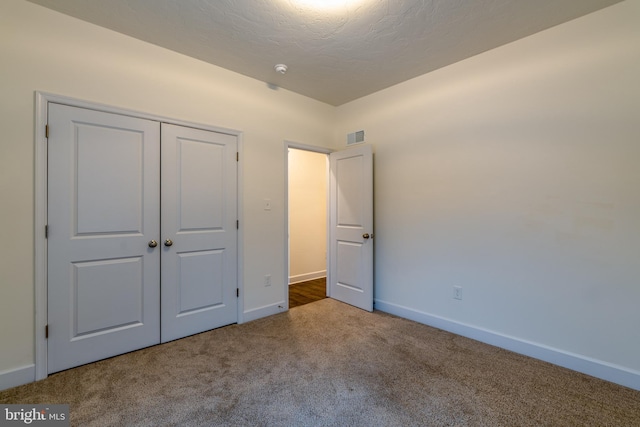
307 215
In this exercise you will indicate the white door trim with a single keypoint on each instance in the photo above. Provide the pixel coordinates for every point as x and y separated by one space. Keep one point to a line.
42 99
315 149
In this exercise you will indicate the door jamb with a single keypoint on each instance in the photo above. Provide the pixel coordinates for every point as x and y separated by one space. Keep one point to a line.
315 149
42 100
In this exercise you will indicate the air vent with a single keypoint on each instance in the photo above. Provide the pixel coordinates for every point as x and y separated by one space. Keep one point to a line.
355 137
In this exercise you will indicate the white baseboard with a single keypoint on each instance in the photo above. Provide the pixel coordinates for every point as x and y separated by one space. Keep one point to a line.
307 276
19 376
593 367
264 311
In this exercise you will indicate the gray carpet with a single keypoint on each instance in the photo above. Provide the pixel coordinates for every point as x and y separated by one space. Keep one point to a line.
329 364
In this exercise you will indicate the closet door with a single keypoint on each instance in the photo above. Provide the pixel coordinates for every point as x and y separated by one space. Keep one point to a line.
199 235
103 217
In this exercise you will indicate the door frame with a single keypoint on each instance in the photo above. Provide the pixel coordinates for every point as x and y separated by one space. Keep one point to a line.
42 100
314 149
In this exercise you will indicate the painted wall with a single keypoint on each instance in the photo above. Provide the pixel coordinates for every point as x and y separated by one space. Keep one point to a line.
307 215
514 174
46 51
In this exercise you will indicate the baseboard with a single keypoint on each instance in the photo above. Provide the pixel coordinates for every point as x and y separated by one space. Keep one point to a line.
307 276
19 376
264 311
593 367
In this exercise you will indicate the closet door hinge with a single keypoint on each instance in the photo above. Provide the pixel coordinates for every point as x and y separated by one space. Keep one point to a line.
237 224
237 156
46 331
46 131
46 231
237 292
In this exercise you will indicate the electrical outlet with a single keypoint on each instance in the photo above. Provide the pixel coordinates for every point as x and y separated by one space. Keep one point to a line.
267 280
457 292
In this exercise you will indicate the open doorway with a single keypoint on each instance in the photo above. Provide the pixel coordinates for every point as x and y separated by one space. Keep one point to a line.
348 195
307 191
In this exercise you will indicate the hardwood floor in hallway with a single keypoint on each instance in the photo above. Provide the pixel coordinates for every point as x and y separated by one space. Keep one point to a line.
305 292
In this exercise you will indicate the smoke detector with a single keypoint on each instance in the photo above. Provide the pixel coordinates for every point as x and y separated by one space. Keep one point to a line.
280 68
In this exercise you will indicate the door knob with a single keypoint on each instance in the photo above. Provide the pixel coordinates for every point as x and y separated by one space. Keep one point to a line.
168 242
365 236
153 244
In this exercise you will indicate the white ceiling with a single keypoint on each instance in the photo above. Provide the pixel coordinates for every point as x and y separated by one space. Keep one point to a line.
334 54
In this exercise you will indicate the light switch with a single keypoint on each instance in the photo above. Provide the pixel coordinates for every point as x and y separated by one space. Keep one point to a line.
267 204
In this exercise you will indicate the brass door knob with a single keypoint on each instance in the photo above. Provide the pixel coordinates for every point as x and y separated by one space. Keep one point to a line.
153 244
365 236
168 242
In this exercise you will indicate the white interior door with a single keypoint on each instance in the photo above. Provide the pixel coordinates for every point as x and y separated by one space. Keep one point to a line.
351 226
103 277
199 234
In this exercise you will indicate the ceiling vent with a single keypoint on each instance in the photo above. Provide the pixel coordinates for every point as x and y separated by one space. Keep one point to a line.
355 137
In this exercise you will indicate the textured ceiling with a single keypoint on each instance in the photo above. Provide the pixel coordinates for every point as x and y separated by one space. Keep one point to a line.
334 54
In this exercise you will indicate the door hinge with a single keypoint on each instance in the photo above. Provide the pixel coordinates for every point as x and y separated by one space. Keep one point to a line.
237 224
237 156
46 331
46 131
46 231
237 292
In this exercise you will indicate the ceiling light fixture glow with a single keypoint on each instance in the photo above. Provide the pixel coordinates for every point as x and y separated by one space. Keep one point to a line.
325 4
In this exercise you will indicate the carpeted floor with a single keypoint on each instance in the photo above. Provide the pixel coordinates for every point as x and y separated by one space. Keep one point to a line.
329 364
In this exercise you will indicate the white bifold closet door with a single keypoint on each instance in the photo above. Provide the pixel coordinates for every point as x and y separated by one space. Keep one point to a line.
199 242
119 280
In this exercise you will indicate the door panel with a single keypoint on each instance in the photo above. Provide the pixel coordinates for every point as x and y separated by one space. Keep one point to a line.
350 257
200 167
107 295
109 184
350 209
351 226
103 279
195 293
199 274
